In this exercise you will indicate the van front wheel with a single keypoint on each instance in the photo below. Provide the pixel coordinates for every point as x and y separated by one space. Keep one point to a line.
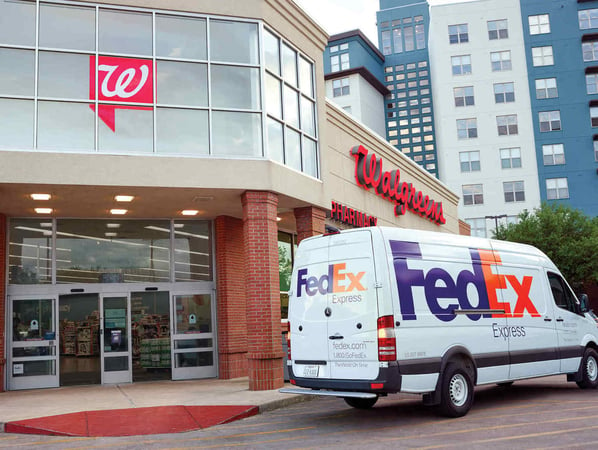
361 403
456 395
589 370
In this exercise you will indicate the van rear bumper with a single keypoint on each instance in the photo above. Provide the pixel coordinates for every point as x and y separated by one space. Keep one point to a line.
388 382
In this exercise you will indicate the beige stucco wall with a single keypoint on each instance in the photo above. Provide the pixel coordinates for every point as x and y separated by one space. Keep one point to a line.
343 133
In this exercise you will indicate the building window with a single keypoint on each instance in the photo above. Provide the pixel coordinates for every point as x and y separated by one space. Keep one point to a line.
588 18
539 24
592 83
420 37
409 42
514 191
473 194
595 150
386 48
590 51
550 121
504 92
478 226
546 88
510 158
463 96
335 64
344 61
467 128
458 34
507 125
557 188
500 60
553 154
470 161
397 39
542 56
594 116
461 64
497 29
340 87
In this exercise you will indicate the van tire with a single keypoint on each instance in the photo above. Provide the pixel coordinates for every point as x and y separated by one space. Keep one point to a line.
589 370
456 391
361 403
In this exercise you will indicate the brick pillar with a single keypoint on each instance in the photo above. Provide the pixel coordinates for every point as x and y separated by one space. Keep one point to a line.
310 221
3 335
263 290
230 285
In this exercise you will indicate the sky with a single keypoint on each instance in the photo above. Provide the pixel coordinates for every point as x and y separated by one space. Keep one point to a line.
336 16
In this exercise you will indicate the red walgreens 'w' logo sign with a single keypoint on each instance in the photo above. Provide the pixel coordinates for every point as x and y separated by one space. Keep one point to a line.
120 80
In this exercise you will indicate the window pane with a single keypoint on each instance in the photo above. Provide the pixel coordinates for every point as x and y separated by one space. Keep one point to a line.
289 65
272 52
17 69
134 131
293 149
180 37
182 131
17 22
310 161
63 75
182 83
233 42
30 252
63 125
273 96
235 87
308 116
67 27
193 252
125 32
305 77
140 251
275 142
291 106
16 126
244 139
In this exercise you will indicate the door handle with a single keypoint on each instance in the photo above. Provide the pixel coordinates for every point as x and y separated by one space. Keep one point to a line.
547 319
560 319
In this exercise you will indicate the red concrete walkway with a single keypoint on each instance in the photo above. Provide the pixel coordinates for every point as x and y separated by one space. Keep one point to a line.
133 421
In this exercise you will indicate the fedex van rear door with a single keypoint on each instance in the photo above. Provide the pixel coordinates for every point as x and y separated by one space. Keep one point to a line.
333 308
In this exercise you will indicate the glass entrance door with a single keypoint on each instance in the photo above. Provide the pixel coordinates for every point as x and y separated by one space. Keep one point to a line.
115 339
193 339
32 356
80 361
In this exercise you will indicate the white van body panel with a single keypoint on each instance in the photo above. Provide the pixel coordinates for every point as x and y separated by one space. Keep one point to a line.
502 306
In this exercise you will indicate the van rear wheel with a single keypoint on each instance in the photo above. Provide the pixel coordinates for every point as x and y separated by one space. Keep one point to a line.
361 403
589 370
456 391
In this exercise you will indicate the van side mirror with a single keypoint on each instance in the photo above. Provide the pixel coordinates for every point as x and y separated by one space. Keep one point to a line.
584 303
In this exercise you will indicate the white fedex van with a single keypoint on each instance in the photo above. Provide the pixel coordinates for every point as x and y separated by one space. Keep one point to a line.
374 311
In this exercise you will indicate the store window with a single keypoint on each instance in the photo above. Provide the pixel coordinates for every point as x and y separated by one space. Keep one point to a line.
286 254
170 99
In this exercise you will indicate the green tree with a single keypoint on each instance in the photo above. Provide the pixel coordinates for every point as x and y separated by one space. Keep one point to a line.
565 234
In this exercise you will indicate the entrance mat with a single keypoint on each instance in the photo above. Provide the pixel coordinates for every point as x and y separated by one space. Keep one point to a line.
133 421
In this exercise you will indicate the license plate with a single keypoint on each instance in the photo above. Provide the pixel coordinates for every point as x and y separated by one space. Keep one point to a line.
311 371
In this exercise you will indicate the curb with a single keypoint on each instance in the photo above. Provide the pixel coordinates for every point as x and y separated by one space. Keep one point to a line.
291 400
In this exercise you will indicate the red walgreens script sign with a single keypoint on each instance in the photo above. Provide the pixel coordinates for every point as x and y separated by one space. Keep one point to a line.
120 80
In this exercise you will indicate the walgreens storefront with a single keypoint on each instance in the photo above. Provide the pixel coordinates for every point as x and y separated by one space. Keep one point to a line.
159 167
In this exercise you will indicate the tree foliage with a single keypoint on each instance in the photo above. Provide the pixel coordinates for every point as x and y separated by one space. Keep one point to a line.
566 235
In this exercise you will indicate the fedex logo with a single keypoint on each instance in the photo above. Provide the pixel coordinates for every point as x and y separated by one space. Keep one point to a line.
439 284
336 280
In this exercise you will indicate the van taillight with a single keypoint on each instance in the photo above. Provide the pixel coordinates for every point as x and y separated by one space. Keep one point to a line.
289 343
387 344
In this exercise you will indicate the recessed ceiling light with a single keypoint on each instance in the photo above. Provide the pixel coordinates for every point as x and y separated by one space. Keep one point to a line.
189 212
110 234
41 196
44 210
113 225
124 198
118 212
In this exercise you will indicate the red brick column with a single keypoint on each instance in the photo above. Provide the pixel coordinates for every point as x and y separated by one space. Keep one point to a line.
230 286
263 290
310 221
3 335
